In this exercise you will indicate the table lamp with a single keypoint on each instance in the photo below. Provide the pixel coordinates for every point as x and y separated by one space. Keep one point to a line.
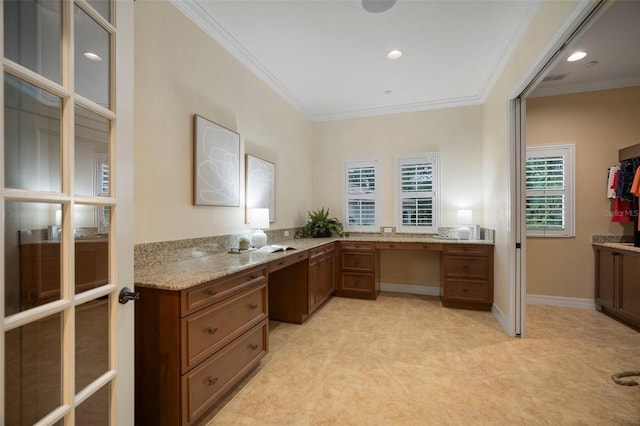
465 217
259 220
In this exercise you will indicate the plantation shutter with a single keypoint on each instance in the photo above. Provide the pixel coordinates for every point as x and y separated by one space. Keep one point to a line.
548 182
361 190
416 179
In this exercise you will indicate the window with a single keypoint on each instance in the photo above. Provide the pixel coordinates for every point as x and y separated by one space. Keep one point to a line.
417 204
550 191
361 190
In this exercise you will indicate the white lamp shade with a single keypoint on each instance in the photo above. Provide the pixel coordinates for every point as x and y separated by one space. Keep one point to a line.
259 218
465 217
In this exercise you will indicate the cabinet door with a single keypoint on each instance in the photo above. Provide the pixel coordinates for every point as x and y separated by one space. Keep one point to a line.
629 300
329 278
606 276
316 278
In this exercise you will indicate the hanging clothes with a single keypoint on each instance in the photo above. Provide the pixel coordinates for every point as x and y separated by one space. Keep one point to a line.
622 209
635 190
625 180
611 188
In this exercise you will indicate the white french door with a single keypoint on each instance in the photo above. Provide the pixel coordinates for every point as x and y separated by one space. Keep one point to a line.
66 343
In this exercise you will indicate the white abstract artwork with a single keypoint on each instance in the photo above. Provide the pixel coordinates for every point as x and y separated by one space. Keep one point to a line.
216 164
261 182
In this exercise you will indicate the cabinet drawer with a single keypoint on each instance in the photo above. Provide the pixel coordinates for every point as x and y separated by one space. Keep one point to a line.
477 250
364 283
283 262
466 267
209 293
467 291
208 382
358 261
409 246
357 246
320 251
206 331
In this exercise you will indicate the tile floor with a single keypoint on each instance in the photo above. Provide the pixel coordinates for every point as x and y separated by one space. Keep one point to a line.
405 360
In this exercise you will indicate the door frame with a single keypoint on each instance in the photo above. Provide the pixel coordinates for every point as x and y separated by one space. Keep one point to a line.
124 395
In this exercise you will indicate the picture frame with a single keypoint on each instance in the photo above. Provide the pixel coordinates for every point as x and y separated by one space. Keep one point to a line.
216 164
260 185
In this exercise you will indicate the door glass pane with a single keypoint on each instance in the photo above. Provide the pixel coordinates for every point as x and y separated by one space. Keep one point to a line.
32 234
32 34
92 342
92 263
33 372
92 49
32 136
91 153
94 411
102 7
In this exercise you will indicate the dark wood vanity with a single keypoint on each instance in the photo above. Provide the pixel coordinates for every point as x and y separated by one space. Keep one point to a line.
617 268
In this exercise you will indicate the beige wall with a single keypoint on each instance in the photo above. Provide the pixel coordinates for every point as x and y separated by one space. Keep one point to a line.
496 148
599 123
456 133
179 71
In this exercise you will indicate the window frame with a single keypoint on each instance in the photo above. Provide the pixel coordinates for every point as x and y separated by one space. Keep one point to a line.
429 157
567 150
375 196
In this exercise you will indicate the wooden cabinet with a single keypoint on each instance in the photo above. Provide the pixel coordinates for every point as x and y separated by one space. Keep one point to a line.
467 276
358 265
321 275
194 345
617 285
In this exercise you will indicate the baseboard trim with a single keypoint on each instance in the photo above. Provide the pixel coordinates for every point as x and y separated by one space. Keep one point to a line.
410 289
563 302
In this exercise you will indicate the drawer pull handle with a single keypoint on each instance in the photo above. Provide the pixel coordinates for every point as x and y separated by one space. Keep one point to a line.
253 306
212 292
253 346
253 277
392 245
212 330
281 263
212 381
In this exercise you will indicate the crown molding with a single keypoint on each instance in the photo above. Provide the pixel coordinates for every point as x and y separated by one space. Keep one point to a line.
209 25
585 87
399 109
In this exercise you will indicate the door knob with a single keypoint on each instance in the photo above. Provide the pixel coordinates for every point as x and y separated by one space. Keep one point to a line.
126 294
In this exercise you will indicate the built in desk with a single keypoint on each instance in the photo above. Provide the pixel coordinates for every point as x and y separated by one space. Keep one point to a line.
202 323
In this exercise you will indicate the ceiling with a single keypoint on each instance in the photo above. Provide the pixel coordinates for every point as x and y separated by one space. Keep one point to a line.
612 44
327 58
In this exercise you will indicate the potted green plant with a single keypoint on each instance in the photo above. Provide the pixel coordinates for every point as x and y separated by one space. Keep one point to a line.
243 243
320 224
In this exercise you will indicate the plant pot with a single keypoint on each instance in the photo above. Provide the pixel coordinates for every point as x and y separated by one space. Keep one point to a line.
324 234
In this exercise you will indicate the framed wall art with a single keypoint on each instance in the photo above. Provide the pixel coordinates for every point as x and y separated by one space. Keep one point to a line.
216 166
261 184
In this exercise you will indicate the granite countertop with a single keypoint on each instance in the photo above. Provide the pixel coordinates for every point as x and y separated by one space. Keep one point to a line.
181 275
619 246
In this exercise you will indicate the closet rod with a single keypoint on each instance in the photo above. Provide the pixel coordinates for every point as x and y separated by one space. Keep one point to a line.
629 152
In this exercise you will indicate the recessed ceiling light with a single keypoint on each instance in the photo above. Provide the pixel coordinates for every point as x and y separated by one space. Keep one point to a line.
576 56
388 92
92 56
394 54
377 6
